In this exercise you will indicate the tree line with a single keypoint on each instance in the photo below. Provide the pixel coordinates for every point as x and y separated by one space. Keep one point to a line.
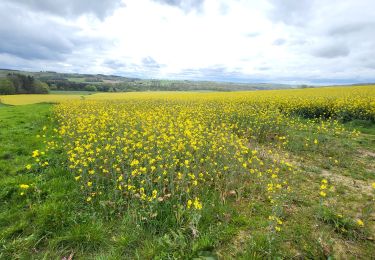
15 83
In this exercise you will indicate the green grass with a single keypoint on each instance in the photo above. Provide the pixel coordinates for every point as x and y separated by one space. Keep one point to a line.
19 126
51 221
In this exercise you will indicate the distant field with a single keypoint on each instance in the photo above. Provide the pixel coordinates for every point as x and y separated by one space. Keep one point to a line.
59 96
37 98
180 175
63 92
79 80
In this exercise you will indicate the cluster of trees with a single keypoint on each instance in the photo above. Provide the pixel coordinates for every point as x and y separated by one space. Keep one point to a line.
65 84
61 83
15 83
19 83
168 85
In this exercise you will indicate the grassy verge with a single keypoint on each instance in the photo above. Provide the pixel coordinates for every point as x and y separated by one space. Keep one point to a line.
51 221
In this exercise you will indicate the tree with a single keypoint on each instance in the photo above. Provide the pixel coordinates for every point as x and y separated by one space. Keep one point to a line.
53 87
40 87
22 83
91 88
7 87
17 83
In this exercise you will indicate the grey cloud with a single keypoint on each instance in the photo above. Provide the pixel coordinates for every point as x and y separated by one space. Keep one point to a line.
71 8
148 67
149 62
209 72
186 5
331 51
336 30
279 42
298 42
264 68
370 65
221 73
215 73
35 36
291 12
114 64
253 34
366 59
29 37
347 29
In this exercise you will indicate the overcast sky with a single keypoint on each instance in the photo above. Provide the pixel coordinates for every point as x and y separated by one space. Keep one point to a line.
286 41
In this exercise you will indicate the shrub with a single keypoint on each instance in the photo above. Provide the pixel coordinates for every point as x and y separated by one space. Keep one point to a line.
91 88
40 87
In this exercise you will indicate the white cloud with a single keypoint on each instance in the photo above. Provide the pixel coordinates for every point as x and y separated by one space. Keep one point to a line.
308 41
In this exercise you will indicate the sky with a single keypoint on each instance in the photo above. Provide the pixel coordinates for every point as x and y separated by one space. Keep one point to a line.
274 41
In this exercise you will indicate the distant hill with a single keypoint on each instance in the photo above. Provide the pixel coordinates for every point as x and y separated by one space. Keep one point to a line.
112 83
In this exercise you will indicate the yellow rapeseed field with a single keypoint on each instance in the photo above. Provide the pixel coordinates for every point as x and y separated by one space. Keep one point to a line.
158 150
358 102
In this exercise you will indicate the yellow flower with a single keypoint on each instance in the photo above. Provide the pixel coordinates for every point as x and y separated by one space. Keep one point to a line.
89 184
77 177
134 162
315 141
35 153
24 186
88 199
323 194
360 223
28 167
189 204
154 194
278 229
197 204
373 185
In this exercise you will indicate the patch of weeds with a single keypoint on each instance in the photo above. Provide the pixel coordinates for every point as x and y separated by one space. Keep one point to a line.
343 225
